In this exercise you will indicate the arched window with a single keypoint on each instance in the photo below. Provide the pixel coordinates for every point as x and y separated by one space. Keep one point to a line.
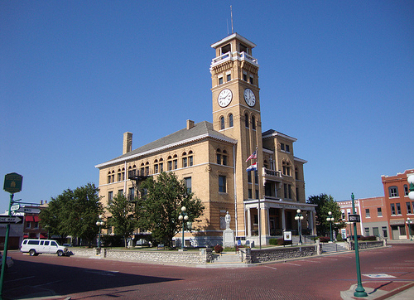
221 122
161 165
147 169
286 168
141 171
224 158
231 120
175 162
218 156
119 175
246 120
190 158
185 160
253 123
109 177
156 166
169 163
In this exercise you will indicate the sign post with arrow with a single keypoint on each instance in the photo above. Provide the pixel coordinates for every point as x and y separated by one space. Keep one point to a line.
12 184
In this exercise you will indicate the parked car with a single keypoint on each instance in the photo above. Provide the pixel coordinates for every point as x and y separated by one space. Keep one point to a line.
9 261
36 247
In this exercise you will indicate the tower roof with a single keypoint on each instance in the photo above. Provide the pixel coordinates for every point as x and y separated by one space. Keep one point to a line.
233 36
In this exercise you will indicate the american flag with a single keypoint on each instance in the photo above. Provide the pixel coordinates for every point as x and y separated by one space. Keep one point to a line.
253 155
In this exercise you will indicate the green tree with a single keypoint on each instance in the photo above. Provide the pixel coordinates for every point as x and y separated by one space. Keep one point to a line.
326 203
160 206
123 219
73 213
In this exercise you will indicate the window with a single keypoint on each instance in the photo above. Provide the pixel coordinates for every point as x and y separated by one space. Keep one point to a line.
220 80
231 120
175 162
375 231
147 169
222 184
367 215
246 120
184 162
221 122
190 158
161 167
243 48
287 148
120 192
119 175
297 194
366 231
392 208
253 123
169 163
156 167
393 191
110 197
287 191
408 207
250 195
282 146
228 77
224 158
379 211
296 173
398 209
187 181
406 190
257 194
109 177
244 76
249 176
251 80
286 168
131 194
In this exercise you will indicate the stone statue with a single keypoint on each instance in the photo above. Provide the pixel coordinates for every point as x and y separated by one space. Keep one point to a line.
227 219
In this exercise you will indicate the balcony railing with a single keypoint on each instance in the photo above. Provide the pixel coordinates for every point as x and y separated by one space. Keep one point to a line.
243 56
272 175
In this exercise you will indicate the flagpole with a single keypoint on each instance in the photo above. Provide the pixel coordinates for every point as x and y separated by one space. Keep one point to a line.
260 219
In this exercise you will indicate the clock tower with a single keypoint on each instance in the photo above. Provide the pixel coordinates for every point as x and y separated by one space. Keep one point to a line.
236 113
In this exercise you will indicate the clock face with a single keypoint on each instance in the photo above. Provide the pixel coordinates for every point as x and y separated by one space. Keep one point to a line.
249 97
224 98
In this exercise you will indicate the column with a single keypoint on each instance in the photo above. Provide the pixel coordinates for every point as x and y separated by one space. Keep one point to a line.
248 221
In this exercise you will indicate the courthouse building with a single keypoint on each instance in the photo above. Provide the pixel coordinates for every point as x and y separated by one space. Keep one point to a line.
212 159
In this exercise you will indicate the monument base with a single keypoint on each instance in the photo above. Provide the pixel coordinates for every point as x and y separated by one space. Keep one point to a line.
228 238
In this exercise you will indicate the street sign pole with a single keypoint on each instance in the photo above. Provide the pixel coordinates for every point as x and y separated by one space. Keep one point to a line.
12 184
6 242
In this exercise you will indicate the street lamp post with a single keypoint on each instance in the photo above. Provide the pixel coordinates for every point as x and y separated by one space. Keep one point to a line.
359 291
409 222
299 218
99 223
330 219
183 216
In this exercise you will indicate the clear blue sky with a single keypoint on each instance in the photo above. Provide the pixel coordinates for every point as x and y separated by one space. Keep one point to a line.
76 75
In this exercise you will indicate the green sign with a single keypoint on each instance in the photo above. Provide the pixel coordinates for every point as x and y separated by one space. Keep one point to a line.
13 183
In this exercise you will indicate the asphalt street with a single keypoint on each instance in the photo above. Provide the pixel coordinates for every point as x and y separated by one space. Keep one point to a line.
387 272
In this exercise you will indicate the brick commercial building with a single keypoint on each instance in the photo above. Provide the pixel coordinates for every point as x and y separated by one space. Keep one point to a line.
399 206
212 159
387 216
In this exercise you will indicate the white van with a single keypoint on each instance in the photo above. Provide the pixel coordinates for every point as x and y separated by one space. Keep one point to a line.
36 247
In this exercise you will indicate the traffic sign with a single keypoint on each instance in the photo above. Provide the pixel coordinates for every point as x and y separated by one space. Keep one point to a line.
28 210
11 220
15 207
13 183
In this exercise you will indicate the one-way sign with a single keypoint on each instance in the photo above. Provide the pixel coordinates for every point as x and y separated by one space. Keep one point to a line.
28 210
9 220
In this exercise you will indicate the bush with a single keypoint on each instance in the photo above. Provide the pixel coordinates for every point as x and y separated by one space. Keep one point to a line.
218 249
279 242
368 238
339 238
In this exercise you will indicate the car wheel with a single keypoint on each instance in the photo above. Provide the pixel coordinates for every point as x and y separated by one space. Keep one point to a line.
32 252
60 253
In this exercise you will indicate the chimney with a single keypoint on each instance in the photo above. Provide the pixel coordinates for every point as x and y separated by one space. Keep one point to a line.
127 145
190 124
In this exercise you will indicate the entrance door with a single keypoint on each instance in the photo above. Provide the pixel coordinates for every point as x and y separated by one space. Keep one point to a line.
395 233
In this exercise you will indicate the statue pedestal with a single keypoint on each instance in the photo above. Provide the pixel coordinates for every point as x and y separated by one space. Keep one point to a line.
228 238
